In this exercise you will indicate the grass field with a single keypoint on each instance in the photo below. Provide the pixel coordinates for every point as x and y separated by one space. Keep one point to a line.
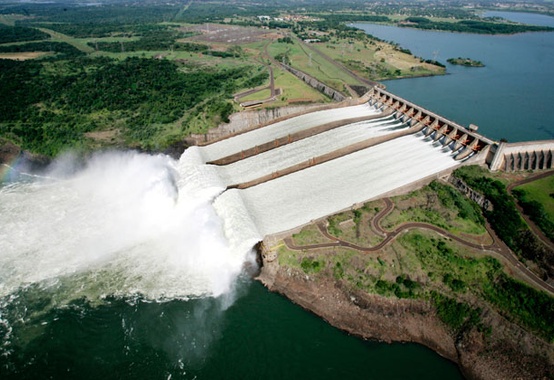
541 191
316 66
259 95
376 60
76 42
294 90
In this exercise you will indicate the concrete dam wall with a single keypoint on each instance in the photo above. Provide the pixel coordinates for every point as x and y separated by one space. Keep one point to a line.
464 141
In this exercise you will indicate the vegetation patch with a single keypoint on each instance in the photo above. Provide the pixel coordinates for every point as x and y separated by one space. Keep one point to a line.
155 95
438 204
308 235
471 26
456 314
526 305
506 221
310 265
537 200
10 34
465 62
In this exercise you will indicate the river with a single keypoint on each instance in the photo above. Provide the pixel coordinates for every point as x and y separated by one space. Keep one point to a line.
159 293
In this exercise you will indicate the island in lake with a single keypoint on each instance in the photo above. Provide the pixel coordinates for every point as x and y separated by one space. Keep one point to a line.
465 62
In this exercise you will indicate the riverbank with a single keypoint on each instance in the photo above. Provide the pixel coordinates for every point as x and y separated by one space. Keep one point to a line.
507 353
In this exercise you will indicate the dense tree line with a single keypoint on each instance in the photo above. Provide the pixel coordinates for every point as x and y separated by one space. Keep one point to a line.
536 212
19 33
529 306
61 48
473 26
335 19
99 30
453 199
129 13
418 9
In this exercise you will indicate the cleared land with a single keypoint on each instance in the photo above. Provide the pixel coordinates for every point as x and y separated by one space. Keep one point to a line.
23 56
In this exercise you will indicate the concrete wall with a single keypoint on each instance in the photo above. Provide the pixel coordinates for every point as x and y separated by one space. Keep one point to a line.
246 121
532 155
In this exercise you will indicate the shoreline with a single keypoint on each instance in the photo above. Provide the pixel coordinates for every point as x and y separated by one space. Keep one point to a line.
374 317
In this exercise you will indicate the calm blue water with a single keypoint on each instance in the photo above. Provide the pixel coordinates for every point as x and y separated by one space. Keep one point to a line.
524 18
512 97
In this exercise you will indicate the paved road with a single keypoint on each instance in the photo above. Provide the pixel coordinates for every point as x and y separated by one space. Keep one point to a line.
496 246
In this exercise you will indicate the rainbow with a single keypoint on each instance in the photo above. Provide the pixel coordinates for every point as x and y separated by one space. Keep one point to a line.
11 169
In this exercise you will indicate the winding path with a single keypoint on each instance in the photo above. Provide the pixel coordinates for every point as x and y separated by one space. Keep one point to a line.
496 246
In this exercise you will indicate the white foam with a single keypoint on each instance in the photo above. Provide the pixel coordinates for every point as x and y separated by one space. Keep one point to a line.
122 219
274 131
293 200
300 151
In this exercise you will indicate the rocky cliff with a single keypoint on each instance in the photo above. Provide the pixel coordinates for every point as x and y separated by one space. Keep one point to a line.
508 352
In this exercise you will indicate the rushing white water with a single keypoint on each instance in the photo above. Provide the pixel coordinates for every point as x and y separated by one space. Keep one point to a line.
302 150
127 224
293 200
274 131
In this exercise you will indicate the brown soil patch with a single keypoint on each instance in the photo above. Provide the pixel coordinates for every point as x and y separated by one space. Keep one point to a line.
230 34
23 56
104 136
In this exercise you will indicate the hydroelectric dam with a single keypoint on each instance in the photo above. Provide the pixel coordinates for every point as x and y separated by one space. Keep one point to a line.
284 175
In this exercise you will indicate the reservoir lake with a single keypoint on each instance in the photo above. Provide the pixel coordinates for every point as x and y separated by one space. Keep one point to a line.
512 97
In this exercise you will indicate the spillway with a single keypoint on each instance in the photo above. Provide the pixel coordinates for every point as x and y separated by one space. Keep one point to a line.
271 132
299 151
296 199
293 183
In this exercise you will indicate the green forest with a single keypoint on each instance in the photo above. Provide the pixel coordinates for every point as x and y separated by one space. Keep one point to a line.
49 105
472 26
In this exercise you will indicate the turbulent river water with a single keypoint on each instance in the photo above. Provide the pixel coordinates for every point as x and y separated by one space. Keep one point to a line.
136 266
